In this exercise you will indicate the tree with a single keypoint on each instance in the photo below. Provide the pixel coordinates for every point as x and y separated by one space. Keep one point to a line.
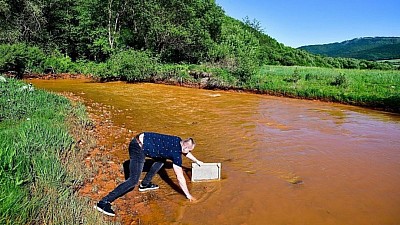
176 30
23 21
254 24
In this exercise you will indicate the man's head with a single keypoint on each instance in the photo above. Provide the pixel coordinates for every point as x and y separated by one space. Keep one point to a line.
188 145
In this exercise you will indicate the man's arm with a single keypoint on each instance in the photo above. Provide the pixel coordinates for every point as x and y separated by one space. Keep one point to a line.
182 182
191 157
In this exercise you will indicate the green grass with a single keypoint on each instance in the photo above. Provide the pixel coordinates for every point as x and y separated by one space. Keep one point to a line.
371 88
394 62
37 152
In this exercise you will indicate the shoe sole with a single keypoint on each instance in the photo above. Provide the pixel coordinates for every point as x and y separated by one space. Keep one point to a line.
101 210
148 189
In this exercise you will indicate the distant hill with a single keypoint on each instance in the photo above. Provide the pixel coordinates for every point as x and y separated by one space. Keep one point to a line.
369 48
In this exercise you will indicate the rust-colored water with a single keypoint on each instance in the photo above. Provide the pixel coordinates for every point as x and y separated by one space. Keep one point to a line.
284 161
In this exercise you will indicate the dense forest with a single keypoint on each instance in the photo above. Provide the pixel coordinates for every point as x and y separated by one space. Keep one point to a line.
38 35
369 48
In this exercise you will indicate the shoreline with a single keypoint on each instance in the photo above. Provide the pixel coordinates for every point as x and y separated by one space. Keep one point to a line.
105 164
200 85
107 161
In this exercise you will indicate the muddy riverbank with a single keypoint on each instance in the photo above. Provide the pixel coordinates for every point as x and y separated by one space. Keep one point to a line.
107 161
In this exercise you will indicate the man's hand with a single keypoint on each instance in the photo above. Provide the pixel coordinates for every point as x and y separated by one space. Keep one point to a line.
192 199
191 157
198 162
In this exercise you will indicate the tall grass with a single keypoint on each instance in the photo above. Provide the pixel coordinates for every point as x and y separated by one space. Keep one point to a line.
37 185
372 88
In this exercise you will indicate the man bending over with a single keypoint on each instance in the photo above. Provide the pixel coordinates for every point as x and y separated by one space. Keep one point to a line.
159 147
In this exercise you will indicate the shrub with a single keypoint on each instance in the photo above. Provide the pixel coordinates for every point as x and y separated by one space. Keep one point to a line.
339 80
58 63
20 57
294 77
172 71
128 65
313 77
221 79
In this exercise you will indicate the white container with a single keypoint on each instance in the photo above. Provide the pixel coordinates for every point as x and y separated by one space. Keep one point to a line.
205 172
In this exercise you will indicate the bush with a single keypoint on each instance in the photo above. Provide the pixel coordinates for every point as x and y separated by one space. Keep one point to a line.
19 57
85 67
128 65
339 80
294 77
57 63
172 72
246 68
221 79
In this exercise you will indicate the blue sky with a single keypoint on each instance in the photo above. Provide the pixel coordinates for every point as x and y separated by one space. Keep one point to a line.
305 22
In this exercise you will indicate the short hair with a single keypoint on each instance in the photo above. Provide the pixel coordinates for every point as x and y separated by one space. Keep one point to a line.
189 140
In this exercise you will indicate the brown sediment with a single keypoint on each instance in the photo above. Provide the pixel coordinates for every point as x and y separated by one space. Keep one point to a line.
105 160
55 76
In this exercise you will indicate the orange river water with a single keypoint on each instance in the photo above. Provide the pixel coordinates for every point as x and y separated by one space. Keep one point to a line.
284 161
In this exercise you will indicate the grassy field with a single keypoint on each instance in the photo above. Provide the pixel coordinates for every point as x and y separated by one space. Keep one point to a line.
40 166
394 62
371 88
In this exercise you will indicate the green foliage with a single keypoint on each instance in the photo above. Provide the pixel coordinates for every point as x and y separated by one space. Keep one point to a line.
238 50
172 72
373 88
339 80
376 48
20 57
128 65
222 79
57 63
31 122
176 31
294 78
394 62
21 20
35 186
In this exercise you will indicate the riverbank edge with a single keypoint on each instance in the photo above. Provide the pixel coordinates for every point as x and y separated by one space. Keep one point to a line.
202 84
107 164
46 200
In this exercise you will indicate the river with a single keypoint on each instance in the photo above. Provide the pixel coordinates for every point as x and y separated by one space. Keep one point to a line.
284 161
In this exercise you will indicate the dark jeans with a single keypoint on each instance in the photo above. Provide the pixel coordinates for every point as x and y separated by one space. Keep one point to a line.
137 159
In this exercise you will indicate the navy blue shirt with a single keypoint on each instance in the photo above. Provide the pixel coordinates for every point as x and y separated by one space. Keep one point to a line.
163 146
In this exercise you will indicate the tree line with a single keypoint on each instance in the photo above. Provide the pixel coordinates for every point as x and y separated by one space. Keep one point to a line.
173 31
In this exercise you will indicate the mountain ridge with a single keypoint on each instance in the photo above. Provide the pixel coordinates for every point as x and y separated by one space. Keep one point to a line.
369 48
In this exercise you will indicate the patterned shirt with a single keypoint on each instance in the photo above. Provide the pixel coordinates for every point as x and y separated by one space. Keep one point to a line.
163 146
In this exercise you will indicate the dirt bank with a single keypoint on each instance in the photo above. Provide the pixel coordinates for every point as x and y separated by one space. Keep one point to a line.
106 163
